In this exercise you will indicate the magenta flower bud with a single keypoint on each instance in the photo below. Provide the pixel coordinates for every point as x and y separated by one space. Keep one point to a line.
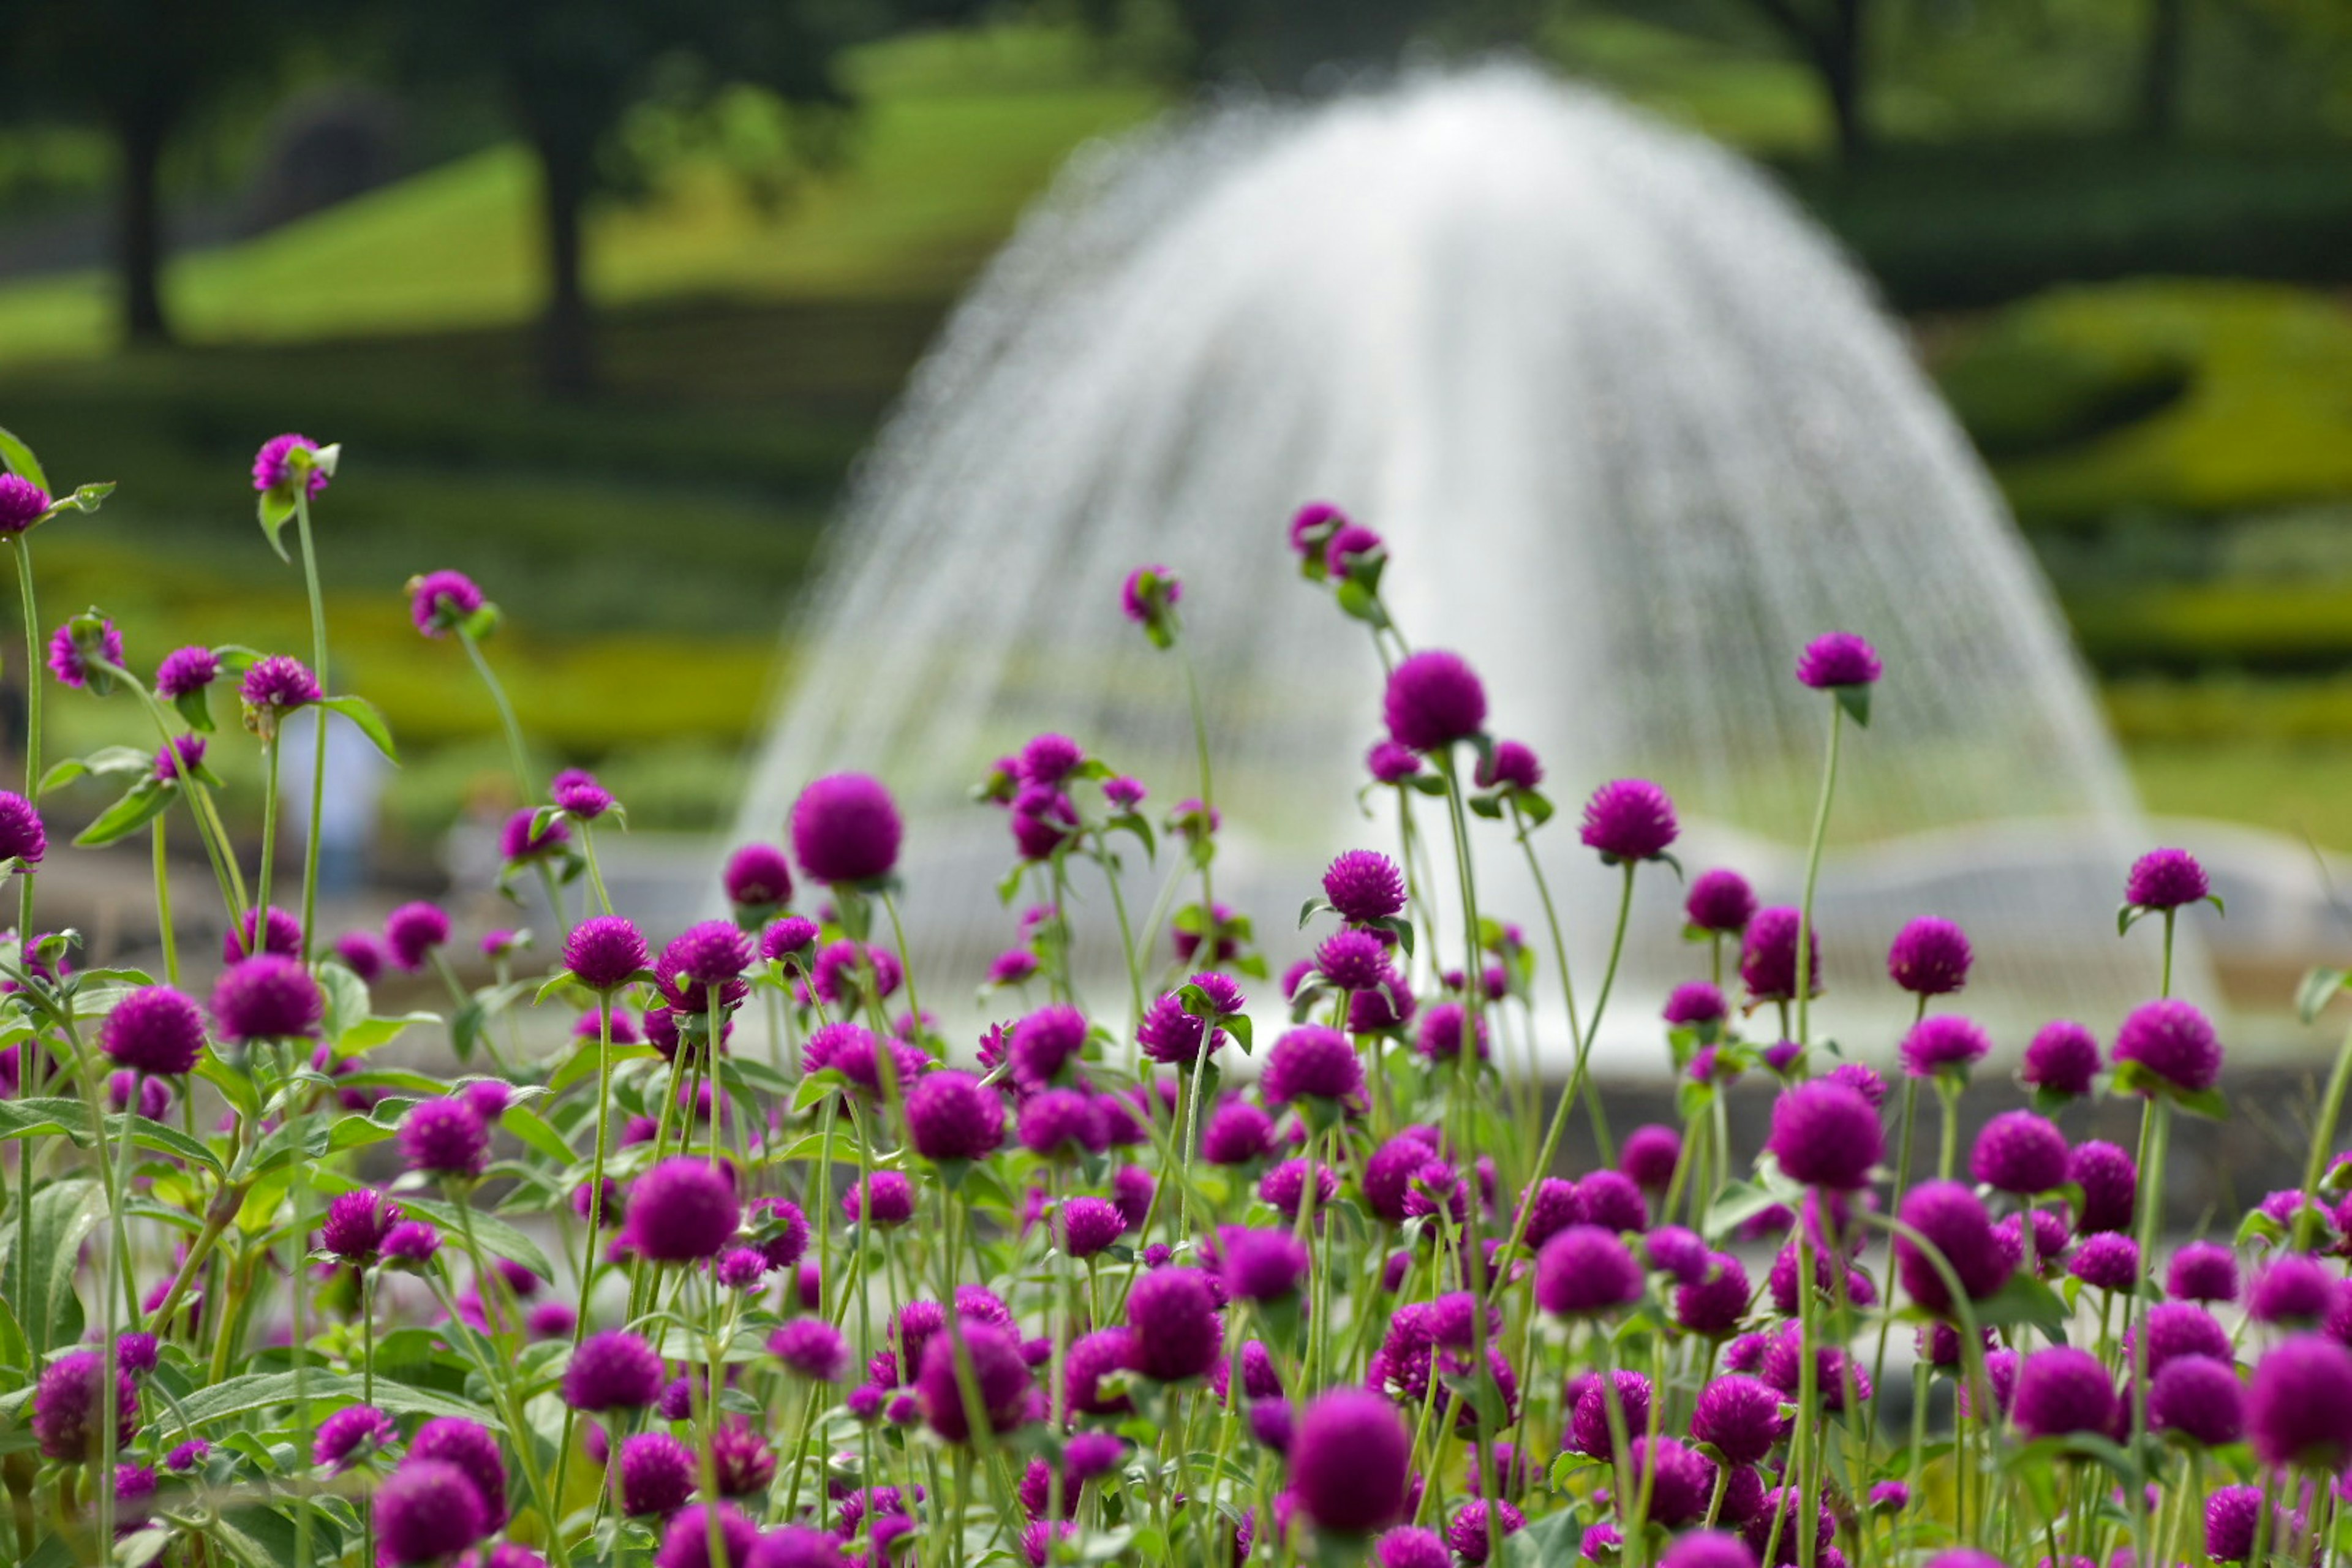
1148 593
1351 960
413 931
274 465
999 1377
1826 1135
1586 1271
2174 1041
686 1543
1364 886
1439 1038
1740 1417
1237 1133
2062 1390
2294 1290
757 877
951 1117
2202 1271
281 936
363 954
65 1407
612 1371
1313 525
2166 879
445 1138
1678 1478
2063 1058
1062 1123
603 952
1712 1306
427 1510
1695 1003
1944 1043
523 839
2018 1152
1312 1062
1389 762
1768 956
267 998
1629 819
183 755
22 837
846 828
1348 1460
2178 1329
811 1348
2201 1399
438 602
1090 1226
154 1030
469 1445
2110 1183
1263 1265
681 1211
1835 659
1930 957
2299 1410
1949 1218
350 1435
356 1225
1708 1549
22 502
1046 1042
1434 699
1348 544
1648 1159
77 643
279 683
411 1241
1588 1428
576 792
186 671
1168 1034
886 1199
656 1474
1720 902
2106 1261
1514 765
1172 1326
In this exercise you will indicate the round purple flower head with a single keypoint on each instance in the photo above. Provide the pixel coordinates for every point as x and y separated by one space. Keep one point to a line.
267 998
1148 593
356 1224
65 1407
1649 1157
999 1377
1948 1217
427 1510
1172 1328
1721 902
1439 1038
1835 659
1695 1002
603 952
440 601
1767 955
686 1543
1349 542
411 1241
2061 1390
757 877
1708 1549
1584 1271
281 935
1389 762
1090 1226
21 503
1237 1133
22 837
278 683
846 828
185 754
1351 960
1409 1547
70 656
155 1030
2018 1152
2231 1515
1930 957
2202 1271
2299 1410
951 1117
1944 1042
612 1371
352 1433
2166 879
576 792
273 466
363 954
886 1199
2063 1058
1629 819
2106 1261
2110 1183
2200 1398
1312 526
1513 766
681 1211
185 671
2174 1041
1434 699
2294 1290
1312 1062
1364 886
446 1138
790 937
709 954
1263 1265
1062 1123
413 931
520 841
812 1348
1826 1135
1740 1415
1347 1461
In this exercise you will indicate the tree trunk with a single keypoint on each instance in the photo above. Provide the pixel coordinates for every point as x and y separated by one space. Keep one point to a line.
567 336
139 224
1843 76
2159 80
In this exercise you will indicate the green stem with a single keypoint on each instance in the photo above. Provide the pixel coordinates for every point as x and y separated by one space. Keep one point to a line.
1601 1140
515 752
163 908
259 941
2307 1223
1802 982
2156 1128
37 1328
318 750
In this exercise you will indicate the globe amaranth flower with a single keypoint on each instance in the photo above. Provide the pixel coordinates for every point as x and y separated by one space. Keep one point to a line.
78 642
1351 960
2202 1271
1390 762
1237 1133
278 932
1826 1135
411 1241
22 502
1720 903
2166 879
1312 1062
577 794
1439 1038
709 955
2019 1151
1263 1265
1929 957
1695 1003
2201 1399
356 1225
2294 1290
1629 819
2110 1183
1148 593
1948 1217
278 682
1678 1480
757 877
2174 1041
656 1474
1768 956
1349 1460
1000 1381
1708 1549
1588 1425
2062 1058
445 1137
1740 1417
886 1199
523 837
155 1030
22 837
686 1543
613 1370
2232 1516
2106 1261
950 1116
267 998
604 953
413 931
1648 1159
66 1407
681 1211
1364 886
1047 759
1433 698
1584 1271
186 671
2061 1390
439 602
1714 1306
350 1435
2177 1330
427 1510
1349 542
1170 1035
184 754
811 1348
1090 1226
275 464
846 828
1944 1043
1838 658
1174 1332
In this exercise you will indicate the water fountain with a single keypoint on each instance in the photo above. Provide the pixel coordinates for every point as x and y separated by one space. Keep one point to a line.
1632 430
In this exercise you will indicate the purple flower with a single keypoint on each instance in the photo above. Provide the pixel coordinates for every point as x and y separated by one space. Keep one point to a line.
2174 1041
1442 1028
1826 1135
2166 879
1172 1327
1720 902
2062 1390
413 931
1263 1265
1835 659
656 1474
577 794
2200 1398
2063 1058
708 955
1312 1062
2106 1261
1434 699
65 1407
352 1433
22 837
356 1225
951 1117
446 1138
439 600
2110 1183
2202 1271
886 1200
1347 1461
1351 960
156 1030
2232 1515
1389 762
1584 1271
612 1371
1364 886
1587 1431
2294 1290
523 837
1944 1043
1170 1035
1237 1133
282 935
846 828
686 1543
2176 1329
757 877
603 952
812 1348
1629 819
75 643
185 671
426 1511
278 683
1090 1226
741 1460
1679 1480
267 998
999 1377
1740 1415
1148 593
1930 957
1708 1549
1695 1002
1713 1308
22 502
273 466
411 1241
183 755
681 1211
1948 1217
1648 1159
1768 956
1348 543
2018 1152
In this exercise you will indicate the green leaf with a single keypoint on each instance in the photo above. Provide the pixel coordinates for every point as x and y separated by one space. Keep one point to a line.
107 761
369 1033
498 1237
2125 916
143 804
41 1285
196 708
361 712
2208 1103
347 1001
163 1140
24 1118
1310 909
1738 1201
2319 988
2025 1300
533 1129
1536 807
1855 701
19 461
263 1390
275 508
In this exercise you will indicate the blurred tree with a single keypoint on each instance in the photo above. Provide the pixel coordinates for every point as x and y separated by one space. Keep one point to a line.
570 72
1830 36
140 69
